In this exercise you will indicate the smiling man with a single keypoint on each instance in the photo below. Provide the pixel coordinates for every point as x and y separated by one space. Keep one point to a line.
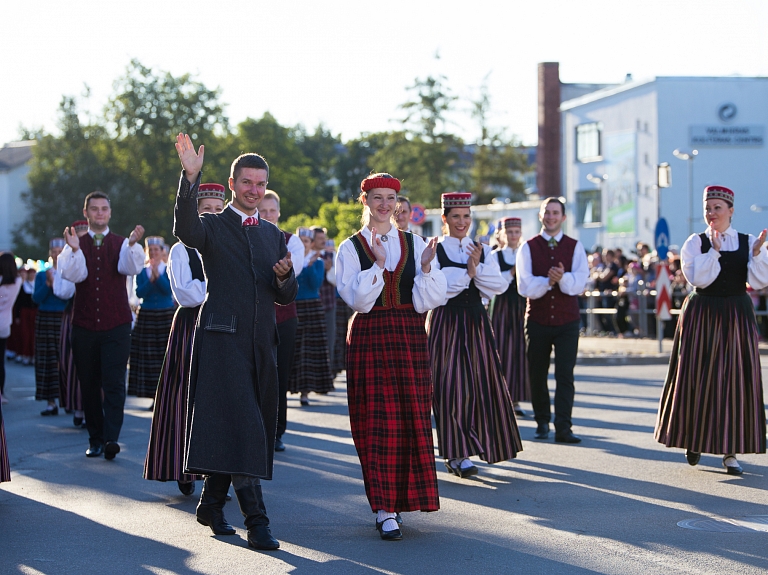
552 271
233 383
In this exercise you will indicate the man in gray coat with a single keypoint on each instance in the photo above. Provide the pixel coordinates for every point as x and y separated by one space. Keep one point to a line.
233 389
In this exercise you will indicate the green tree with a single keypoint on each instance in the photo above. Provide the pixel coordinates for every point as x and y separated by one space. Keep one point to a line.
323 150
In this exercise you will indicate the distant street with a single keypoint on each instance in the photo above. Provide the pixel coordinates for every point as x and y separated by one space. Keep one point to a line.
610 505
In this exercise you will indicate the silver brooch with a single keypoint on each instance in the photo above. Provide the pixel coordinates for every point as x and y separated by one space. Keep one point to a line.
384 238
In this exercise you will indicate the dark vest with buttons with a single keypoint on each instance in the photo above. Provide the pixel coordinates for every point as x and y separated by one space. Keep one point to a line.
398 284
285 312
101 300
554 307
732 279
470 297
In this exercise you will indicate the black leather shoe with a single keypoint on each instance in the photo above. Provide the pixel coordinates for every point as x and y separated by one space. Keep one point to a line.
187 488
214 518
393 535
465 472
95 450
692 457
111 448
451 468
52 411
279 445
542 431
78 421
519 412
567 437
260 537
732 469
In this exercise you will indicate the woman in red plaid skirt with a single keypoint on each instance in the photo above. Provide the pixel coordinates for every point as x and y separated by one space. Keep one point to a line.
386 277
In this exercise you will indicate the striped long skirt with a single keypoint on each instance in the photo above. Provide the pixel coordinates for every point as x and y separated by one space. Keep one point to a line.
472 406
343 314
713 395
311 369
507 313
165 454
69 391
389 390
148 343
47 355
5 468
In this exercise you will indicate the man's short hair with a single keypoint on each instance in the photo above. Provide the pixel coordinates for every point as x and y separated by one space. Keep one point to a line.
315 229
96 195
271 195
401 199
250 160
548 201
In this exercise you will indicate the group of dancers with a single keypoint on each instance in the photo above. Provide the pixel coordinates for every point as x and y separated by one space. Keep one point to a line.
420 341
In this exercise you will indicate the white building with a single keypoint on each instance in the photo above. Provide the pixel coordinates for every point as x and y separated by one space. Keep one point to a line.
14 167
614 139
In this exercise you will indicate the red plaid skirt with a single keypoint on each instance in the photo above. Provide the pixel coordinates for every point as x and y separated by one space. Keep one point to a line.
389 389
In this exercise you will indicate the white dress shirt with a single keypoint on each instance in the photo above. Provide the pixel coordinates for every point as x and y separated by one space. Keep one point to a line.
487 279
73 267
510 256
296 247
360 289
572 283
702 269
62 289
8 295
187 291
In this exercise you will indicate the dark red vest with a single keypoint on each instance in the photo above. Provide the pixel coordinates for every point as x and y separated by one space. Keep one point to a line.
101 300
285 312
554 307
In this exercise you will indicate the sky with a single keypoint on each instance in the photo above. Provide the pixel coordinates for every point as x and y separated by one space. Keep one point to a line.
346 64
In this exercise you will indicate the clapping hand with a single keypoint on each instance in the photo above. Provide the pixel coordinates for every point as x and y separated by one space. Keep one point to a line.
379 252
191 161
556 273
427 255
759 243
283 268
136 235
473 261
71 237
717 241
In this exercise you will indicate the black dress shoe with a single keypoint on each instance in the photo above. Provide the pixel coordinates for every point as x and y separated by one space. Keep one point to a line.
542 431
519 412
465 472
732 469
78 421
187 488
111 448
567 437
279 445
95 450
393 535
692 457
260 537
50 411
451 468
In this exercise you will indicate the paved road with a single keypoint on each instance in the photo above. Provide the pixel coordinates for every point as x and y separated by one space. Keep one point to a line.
610 505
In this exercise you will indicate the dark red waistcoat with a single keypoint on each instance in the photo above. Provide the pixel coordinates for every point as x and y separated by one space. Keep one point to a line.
101 300
285 312
554 307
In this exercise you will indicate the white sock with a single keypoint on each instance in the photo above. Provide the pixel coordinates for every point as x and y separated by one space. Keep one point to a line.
465 463
730 461
388 519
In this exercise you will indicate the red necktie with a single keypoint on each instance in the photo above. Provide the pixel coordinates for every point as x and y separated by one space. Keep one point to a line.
251 221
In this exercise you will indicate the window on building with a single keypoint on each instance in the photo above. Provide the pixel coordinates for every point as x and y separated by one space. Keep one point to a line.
588 142
588 208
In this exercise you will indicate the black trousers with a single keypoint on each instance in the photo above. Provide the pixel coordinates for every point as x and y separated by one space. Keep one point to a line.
101 359
540 340
287 333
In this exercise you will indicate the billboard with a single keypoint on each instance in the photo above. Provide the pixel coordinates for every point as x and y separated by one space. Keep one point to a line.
619 188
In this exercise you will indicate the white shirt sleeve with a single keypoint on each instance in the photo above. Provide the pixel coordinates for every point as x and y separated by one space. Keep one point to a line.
428 289
131 260
62 289
297 253
488 277
699 269
575 281
330 275
187 291
358 288
529 285
72 265
757 275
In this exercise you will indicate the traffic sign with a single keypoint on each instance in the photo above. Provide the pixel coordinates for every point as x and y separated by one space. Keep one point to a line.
418 214
661 238
663 290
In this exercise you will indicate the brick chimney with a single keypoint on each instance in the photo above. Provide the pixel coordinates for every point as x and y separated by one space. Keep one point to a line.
548 149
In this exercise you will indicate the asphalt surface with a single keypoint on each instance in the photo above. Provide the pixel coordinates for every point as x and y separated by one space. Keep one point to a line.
609 505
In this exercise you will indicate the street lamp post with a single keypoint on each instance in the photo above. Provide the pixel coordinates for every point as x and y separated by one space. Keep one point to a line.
689 157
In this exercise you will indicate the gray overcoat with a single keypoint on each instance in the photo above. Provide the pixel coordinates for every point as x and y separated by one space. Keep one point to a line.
233 387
